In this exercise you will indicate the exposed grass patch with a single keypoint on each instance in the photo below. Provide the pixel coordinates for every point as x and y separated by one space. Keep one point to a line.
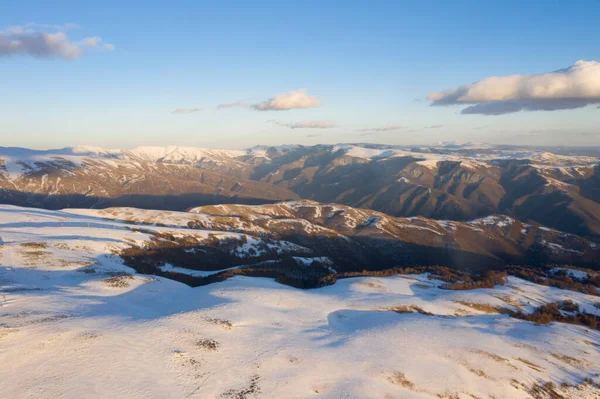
482 307
399 378
410 309
547 390
530 364
119 281
35 245
208 344
225 324
569 360
250 391
556 312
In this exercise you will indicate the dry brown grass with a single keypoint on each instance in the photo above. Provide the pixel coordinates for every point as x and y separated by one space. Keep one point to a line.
35 245
119 281
547 390
569 360
208 344
225 324
409 309
399 378
481 307
250 391
530 364
373 285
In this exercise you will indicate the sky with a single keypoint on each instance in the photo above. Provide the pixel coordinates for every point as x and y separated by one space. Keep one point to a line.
233 74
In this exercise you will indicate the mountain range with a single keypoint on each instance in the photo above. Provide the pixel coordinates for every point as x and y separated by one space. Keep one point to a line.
449 181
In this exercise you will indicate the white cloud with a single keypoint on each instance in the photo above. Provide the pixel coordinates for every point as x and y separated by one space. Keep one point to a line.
572 87
28 40
305 124
186 110
380 128
281 102
292 100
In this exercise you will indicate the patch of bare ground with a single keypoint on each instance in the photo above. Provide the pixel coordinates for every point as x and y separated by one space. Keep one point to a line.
74 263
208 344
563 312
119 281
34 245
373 285
482 307
224 324
399 378
476 371
508 300
578 363
527 346
448 395
33 252
251 391
546 390
88 336
530 364
409 309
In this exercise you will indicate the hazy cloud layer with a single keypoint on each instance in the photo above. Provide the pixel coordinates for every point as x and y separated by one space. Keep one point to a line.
569 88
237 104
186 110
305 124
30 40
380 128
281 102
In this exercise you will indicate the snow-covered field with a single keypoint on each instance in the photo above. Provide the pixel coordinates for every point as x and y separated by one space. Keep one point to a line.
76 323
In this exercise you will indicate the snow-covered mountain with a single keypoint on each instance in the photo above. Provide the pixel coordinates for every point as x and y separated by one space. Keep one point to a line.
446 181
76 321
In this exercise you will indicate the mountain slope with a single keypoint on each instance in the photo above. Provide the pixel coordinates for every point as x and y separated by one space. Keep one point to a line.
347 239
76 322
456 182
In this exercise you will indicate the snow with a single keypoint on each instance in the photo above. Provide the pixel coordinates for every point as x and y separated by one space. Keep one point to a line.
67 330
176 154
574 273
494 220
430 156
18 161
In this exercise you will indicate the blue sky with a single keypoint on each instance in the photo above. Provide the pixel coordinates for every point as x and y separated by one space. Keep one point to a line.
371 64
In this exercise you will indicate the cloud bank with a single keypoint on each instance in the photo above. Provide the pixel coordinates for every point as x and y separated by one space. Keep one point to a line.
380 128
281 102
569 88
306 124
186 110
30 41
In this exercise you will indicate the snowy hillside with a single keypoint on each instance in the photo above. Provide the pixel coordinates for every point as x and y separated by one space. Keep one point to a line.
76 322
